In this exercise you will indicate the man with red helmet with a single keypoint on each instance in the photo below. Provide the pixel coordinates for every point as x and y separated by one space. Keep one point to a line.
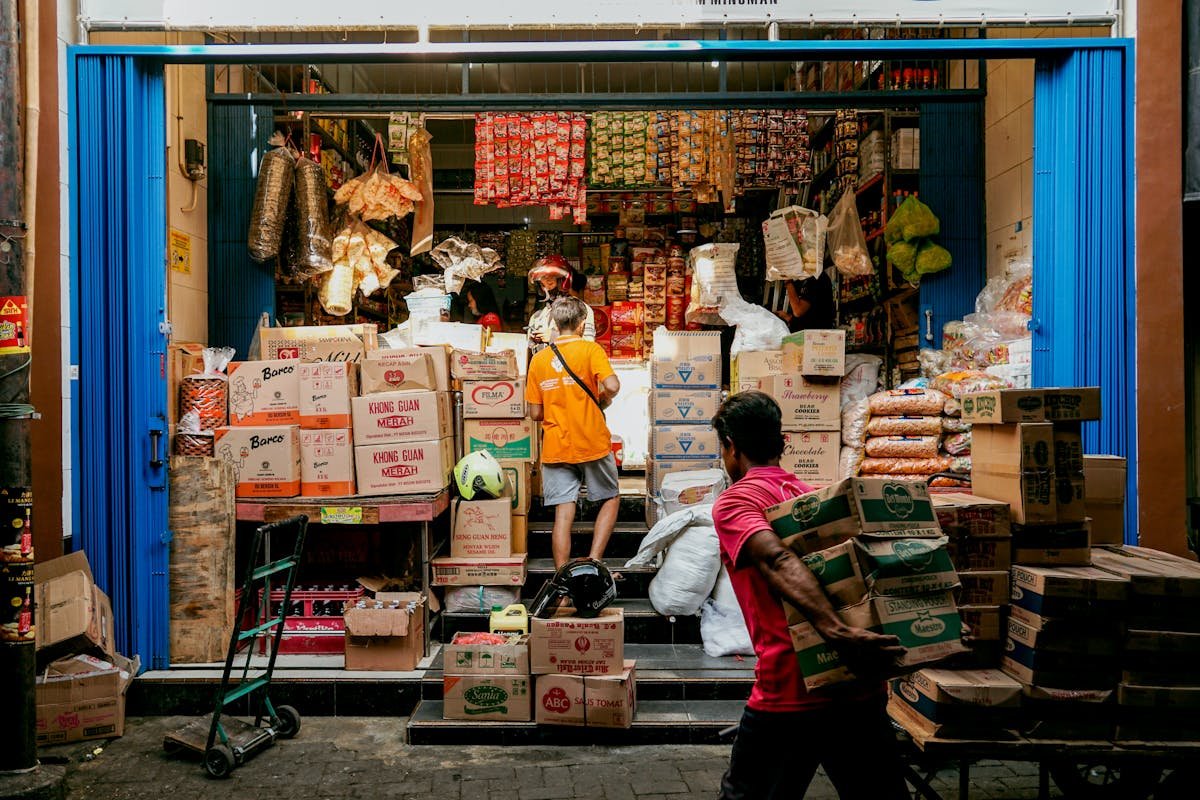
553 277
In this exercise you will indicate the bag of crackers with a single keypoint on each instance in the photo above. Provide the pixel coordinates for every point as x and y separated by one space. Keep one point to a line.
206 394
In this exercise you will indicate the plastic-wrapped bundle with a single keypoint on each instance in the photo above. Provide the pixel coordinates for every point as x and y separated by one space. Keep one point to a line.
903 446
206 394
959 444
904 426
855 418
955 425
190 440
336 291
276 174
849 462
905 466
907 402
315 251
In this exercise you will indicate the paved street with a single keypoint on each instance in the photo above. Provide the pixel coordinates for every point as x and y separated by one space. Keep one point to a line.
353 757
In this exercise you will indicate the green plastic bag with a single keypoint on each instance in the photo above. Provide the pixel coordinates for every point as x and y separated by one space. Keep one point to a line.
903 256
920 221
932 258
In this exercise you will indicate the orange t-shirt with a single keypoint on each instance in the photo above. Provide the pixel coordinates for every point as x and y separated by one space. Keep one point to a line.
573 427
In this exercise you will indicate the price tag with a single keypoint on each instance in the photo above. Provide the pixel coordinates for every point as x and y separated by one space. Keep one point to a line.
341 515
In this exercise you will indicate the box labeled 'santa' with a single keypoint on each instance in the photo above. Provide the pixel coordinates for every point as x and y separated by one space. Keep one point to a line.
494 399
506 439
439 359
397 371
575 645
83 697
749 370
811 457
816 352
404 467
594 701
401 417
686 360
682 442
264 393
482 529
487 697
462 658
806 405
325 391
326 463
452 571
266 461
387 638
319 342
674 406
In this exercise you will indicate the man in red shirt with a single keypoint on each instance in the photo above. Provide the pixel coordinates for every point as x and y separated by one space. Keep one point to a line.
785 732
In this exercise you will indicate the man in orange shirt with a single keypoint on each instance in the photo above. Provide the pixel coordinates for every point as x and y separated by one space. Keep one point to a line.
569 385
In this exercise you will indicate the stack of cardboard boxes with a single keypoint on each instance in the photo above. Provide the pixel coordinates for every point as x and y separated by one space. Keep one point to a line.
581 675
876 548
980 546
386 632
1027 450
487 678
805 379
685 390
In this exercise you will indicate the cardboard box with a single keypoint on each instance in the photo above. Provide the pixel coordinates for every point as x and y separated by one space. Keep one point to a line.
821 353
400 371
486 659
499 365
404 467
1070 495
264 393
520 477
326 463
1105 497
1035 632
593 701
487 697
1164 697
494 399
1004 406
985 622
481 528
402 417
748 370
1152 576
520 534
325 391
675 406
451 571
899 567
1068 448
266 461
1057 670
1052 545
819 664
1014 464
1068 591
385 638
1080 404
963 515
686 360
574 645
683 442
981 555
806 405
439 360
506 439
83 697
73 616
873 506
959 700
985 588
838 571
319 342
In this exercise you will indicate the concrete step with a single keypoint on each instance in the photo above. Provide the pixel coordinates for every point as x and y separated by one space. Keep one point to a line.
656 722
634 581
624 542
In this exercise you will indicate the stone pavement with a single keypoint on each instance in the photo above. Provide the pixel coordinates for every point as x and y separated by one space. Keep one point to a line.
358 757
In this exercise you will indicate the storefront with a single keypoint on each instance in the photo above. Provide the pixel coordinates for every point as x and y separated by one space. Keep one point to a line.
1083 185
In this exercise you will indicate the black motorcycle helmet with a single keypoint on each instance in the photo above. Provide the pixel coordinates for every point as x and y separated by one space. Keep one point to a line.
585 581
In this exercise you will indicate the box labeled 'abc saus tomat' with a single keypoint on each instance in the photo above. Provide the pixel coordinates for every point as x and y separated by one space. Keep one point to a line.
498 399
578 646
401 417
594 701
875 507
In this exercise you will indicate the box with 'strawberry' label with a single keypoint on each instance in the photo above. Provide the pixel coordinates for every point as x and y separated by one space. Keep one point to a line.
593 701
574 645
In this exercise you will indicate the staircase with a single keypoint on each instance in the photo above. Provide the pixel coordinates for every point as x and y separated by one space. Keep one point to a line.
684 696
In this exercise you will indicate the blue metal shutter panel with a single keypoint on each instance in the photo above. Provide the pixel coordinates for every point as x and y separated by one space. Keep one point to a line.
1083 287
239 288
951 184
120 249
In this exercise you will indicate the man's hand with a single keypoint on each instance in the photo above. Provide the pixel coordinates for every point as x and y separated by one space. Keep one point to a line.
865 653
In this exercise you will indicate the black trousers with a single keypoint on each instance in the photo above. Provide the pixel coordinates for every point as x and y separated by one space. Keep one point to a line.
776 754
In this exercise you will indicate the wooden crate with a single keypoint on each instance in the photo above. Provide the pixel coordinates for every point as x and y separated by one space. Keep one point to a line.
203 519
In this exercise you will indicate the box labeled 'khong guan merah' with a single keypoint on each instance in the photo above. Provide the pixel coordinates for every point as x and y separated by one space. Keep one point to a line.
401 417
263 393
404 467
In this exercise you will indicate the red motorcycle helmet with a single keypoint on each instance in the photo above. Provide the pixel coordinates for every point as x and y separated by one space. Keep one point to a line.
552 266
491 321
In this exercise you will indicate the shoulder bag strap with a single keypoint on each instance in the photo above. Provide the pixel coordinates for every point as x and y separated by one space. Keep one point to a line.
582 385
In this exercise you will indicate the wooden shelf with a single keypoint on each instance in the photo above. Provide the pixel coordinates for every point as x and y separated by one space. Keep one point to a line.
872 182
375 510
875 234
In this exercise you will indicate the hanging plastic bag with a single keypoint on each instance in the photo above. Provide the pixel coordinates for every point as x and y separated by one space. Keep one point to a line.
276 173
862 377
420 161
794 241
462 261
932 258
756 328
714 281
314 254
845 239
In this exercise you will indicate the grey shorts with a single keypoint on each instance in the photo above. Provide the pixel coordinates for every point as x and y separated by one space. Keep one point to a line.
561 482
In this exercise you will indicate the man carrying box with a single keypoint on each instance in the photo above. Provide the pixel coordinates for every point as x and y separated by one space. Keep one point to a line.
786 732
569 385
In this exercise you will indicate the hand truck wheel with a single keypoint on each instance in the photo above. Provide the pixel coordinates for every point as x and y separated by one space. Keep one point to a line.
219 761
286 722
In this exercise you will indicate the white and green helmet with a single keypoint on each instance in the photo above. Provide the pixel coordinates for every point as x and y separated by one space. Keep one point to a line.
479 476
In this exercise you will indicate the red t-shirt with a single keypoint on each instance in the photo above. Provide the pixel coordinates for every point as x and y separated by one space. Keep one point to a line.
738 515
